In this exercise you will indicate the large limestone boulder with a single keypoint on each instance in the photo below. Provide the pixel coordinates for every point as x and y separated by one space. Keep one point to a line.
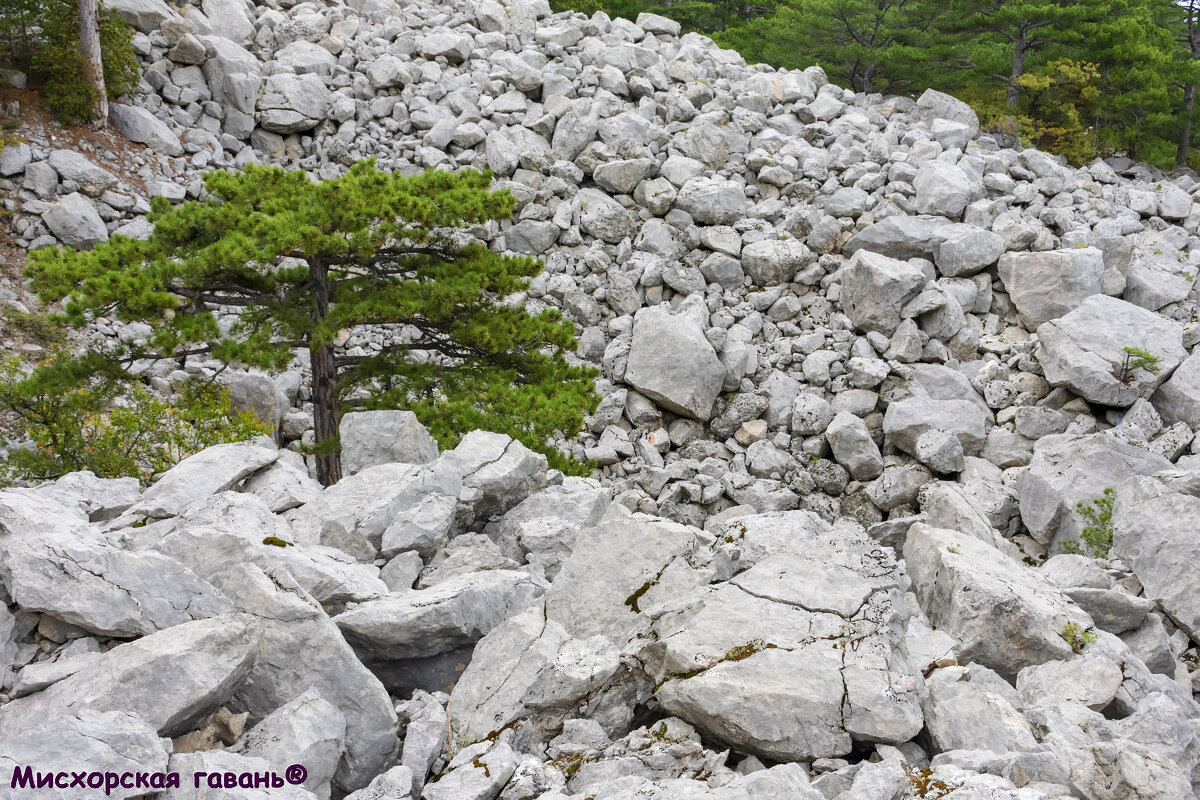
906 421
139 125
933 105
1001 613
229 19
533 670
1178 398
428 622
170 679
75 221
763 663
901 237
370 438
72 573
144 15
301 649
1046 285
356 513
672 363
1084 350
1155 533
961 250
201 475
875 288
603 217
1067 469
236 528
774 262
293 103
85 741
713 201
942 189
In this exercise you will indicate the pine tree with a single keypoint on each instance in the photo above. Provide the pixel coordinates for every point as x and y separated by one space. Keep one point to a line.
302 261
1002 35
868 45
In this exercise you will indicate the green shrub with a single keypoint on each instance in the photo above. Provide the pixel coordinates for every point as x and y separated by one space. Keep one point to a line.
1077 637
1097 532
1136 358
113 430
56 57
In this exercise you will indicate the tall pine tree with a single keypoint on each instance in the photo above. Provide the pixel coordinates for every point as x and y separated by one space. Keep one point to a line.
303 261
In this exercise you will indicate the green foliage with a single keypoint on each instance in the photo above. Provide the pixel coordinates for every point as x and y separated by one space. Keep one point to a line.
1056 105
305 260
1077 637
44 35
1136 358
1098 532
109 428
39 328
1078 77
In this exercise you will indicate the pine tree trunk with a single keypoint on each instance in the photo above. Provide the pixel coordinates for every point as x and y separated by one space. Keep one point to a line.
1185 130
89 39
1021 45
324 384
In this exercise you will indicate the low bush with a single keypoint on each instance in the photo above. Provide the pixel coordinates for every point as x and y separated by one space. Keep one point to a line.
113 430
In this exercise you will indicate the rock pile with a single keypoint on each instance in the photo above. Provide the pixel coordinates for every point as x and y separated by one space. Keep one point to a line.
860 363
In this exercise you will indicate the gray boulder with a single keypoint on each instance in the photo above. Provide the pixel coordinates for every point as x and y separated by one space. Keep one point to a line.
370 438
144 15
74 220
75 575
853 446
1003 615
760 662
603 217
75 169
1154 532
712 201
229 19
1084 350
901 237
170 679
933 105
907 420
292 103
973 708
139 125
354 513
85 741
309 731
673 363
14 158
497 471
212 470
942 189
303 57
874 289
1067 470
961 250
1178 398
302 649
774 262
428 622
1046 285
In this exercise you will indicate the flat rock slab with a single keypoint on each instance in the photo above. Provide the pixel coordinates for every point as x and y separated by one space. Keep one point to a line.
1155 533
763 663
1084 350
427 622
170 679
1002 614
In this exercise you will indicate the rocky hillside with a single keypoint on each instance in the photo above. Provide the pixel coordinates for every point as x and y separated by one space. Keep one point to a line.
860 364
